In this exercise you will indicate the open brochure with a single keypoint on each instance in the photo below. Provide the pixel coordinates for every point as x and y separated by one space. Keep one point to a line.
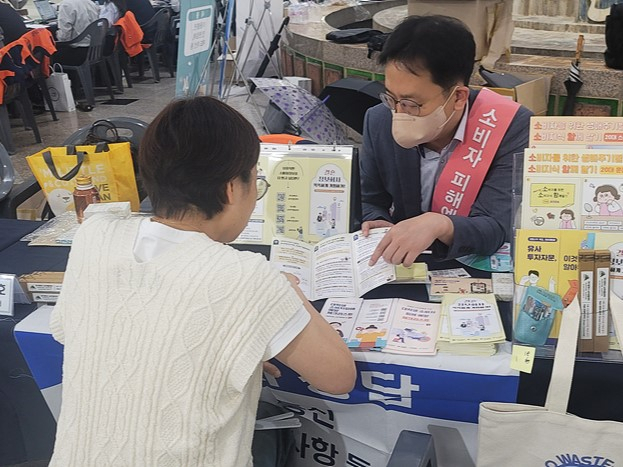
338 266
393 325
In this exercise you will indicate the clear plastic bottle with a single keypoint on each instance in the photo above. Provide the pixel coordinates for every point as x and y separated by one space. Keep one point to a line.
84 194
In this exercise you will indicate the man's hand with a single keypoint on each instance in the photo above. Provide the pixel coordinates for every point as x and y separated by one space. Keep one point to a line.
367 225
404 242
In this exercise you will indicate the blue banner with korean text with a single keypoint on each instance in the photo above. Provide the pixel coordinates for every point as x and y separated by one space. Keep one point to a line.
436 396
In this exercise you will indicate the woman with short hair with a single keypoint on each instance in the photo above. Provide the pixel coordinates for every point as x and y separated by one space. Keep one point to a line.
165 326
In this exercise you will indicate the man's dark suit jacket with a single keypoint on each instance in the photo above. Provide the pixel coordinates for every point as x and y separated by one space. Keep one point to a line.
390 175
143 11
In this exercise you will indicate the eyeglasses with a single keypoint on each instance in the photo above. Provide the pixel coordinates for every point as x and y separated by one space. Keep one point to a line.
409 106
262 187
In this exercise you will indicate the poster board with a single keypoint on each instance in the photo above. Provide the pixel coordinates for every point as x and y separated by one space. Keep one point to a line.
572 188
197 18
309 197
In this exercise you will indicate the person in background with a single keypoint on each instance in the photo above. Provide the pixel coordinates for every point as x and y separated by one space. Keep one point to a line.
437 158
143 11
166 327
11 22
73 18
112 10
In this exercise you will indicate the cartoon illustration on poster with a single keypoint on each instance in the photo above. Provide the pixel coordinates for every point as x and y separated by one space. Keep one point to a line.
601 204
329 198
552 204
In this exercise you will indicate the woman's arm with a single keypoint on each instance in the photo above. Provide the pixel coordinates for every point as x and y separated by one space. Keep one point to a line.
319 354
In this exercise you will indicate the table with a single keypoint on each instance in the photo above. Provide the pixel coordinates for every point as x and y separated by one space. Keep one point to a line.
11 230
26 424
595 393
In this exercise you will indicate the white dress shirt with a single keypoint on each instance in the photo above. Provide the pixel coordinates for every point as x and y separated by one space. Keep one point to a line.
73 17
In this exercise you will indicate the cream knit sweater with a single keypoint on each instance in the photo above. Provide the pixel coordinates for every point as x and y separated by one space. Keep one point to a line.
162 363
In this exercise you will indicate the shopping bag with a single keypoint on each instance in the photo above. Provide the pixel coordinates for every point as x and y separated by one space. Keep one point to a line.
517 435
109 165
59 86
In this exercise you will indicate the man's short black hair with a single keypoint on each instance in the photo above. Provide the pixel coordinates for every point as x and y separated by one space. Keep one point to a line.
440 44
189 153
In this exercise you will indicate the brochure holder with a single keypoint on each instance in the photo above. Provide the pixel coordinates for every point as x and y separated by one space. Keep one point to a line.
559 215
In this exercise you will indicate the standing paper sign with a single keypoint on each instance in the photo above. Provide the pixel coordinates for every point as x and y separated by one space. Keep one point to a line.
195 41
309 194
10 293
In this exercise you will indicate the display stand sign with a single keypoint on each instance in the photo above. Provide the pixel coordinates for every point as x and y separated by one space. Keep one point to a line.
195 41
570 201
10 293
309 193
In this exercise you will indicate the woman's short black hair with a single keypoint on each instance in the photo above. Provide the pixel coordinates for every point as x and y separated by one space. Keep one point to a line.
440 44
189 153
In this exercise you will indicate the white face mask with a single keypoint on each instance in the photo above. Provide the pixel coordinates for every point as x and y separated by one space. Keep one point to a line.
409 131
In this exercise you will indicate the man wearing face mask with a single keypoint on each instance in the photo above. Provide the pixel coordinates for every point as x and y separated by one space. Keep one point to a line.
437 157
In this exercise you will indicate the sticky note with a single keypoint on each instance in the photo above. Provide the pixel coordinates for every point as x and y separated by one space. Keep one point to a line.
522 358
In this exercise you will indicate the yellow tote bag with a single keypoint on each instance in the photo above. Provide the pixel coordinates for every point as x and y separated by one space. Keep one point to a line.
109 165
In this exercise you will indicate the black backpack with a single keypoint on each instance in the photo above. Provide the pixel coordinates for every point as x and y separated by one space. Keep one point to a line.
376 43
614 38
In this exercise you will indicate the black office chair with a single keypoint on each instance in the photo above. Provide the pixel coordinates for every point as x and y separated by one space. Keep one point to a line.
128 128
7 174
118 60
413 449
160 21
96 32
12 194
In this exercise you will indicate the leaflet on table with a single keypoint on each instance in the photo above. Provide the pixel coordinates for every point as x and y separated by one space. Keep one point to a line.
334 267
471 318
572 189
414 328
394 325
308 197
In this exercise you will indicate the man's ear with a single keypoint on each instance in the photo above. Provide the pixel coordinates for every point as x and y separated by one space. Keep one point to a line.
461 97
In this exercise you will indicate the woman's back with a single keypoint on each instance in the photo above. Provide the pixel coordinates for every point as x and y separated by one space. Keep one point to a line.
165 361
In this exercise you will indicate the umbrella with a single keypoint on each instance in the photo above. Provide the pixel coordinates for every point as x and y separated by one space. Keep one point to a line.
305 110
573 83
274 45
349 98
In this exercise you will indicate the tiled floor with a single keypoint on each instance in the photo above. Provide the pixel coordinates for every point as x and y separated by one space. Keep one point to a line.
151 98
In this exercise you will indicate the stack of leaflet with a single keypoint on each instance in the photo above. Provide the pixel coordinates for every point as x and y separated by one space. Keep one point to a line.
391 325
470 325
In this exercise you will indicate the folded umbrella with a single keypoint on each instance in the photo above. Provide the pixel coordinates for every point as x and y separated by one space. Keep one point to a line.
574 82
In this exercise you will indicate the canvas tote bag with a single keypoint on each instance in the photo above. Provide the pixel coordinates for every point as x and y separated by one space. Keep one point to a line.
109 165
516 435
